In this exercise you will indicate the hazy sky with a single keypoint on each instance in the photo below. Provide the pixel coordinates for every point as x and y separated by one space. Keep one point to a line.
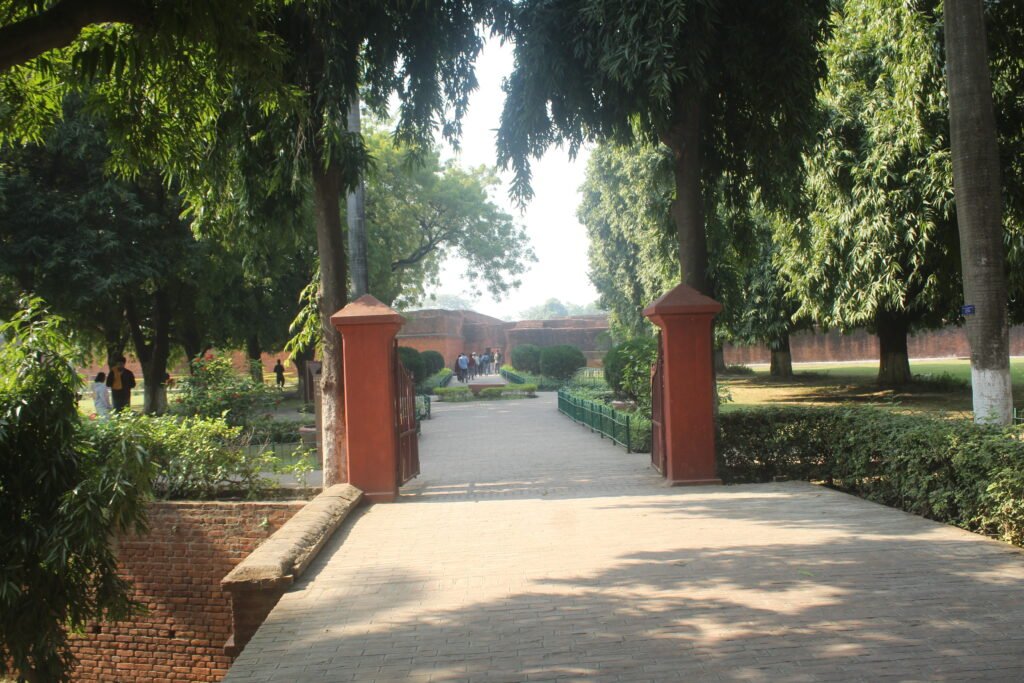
558 239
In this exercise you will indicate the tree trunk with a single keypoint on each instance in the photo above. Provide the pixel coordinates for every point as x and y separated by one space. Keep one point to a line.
687 209
718 356
298 359
255 356
976 184
782 359
153 354
893 361
356 209
333 296
191 339
59 25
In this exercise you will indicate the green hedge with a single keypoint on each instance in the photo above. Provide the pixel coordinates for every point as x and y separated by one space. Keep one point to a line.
526 357
510 391
413 362
543 382
450 394
433 362
561 361
441 378
627 369
949 470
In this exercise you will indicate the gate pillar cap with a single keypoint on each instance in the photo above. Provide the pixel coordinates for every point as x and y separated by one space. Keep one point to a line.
366 310
682 300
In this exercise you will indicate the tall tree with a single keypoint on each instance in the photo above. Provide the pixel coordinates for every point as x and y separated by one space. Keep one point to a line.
976 176
727 86
626 210
625 207
878 248
110 254
422 52
421 212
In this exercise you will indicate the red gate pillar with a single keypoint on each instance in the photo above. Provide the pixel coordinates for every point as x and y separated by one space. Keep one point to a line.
684 316
368 330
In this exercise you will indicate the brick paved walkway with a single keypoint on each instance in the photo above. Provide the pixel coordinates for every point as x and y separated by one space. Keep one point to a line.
531 550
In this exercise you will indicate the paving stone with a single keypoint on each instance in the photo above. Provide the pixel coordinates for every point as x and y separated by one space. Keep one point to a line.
531 549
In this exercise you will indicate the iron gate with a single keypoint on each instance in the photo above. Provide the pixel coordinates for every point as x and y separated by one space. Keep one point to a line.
657 412
408 460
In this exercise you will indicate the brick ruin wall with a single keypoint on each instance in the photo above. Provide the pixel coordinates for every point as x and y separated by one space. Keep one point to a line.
176 570
452 332
590 340
948 342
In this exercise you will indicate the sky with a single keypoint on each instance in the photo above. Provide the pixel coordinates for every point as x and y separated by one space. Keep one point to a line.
557 238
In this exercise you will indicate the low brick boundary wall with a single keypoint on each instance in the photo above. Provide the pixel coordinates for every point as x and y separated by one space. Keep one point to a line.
260 580
176 569
825 347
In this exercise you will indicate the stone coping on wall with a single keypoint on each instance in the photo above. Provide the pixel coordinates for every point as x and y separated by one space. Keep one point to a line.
257 583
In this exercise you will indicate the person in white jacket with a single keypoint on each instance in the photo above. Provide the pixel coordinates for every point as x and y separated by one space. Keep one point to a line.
101 395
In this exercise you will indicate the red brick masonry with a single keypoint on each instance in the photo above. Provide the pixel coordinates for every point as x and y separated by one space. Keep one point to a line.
949 342
176 569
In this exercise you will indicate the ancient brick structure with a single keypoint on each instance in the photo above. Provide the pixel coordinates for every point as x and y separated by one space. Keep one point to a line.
176 569
452 332
948 342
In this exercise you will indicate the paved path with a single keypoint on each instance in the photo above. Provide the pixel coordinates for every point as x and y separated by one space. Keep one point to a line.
532 550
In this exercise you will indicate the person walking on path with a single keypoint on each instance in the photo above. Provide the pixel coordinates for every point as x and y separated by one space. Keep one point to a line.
486 360
463 363
121 381
279 371
101 395
472 366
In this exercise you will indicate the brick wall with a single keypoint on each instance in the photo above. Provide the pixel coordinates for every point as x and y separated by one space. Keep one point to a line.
176 569
948 342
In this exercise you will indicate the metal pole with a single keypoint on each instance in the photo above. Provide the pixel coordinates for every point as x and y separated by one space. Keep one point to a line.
355 208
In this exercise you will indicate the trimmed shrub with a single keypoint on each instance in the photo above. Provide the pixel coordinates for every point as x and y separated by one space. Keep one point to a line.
441 378
270 430
450 394
510 391
516 390
542 382
951 471
562 361
526 357
413 362
433 362
627 369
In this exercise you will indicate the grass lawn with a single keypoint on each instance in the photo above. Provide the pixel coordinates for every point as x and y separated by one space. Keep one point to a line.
943 387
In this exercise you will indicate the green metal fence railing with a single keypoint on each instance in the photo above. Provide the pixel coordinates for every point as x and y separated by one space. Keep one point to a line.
512 377
590 373
599 417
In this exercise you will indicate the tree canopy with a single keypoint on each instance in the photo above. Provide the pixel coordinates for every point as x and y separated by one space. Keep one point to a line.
728 86
420 211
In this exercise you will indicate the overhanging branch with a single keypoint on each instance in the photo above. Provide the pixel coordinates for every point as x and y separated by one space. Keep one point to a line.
61 24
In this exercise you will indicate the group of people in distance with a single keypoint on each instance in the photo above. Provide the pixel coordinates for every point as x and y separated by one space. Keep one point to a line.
113 391
468 366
